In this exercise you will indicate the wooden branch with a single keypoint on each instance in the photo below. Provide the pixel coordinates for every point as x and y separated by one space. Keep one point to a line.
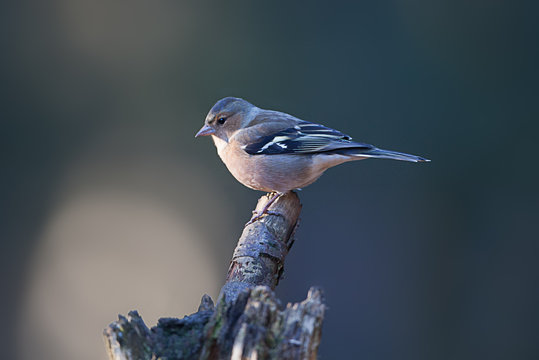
248 321
263 246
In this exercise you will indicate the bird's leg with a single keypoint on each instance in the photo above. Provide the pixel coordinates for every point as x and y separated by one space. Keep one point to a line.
257 215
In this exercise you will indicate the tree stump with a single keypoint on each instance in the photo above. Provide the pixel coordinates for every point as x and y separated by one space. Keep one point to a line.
248 321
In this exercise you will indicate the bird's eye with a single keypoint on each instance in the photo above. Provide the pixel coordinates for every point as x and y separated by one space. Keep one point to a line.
221 120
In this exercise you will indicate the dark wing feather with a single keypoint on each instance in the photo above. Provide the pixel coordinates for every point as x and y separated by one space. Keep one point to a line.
303 138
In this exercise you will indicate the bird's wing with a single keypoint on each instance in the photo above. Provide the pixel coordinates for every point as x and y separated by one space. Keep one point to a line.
301 137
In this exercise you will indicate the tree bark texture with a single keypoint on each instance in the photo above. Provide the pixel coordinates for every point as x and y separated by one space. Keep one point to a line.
248 321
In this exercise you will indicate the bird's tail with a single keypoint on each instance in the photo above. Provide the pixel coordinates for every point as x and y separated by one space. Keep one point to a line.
386 154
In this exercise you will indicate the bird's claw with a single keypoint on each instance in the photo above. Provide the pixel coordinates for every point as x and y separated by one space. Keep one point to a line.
257 215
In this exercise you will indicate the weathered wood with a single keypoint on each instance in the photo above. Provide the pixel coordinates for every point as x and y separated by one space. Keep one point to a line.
248 321
128 338
255 327
262 248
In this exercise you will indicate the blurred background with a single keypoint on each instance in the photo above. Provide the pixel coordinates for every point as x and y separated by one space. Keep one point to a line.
108 203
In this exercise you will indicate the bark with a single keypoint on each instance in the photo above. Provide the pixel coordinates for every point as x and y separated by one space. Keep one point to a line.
248 321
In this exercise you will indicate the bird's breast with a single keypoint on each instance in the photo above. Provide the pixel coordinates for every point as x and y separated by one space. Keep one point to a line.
268 172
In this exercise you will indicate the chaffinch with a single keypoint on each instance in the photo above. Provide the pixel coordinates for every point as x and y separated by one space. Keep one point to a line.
276 152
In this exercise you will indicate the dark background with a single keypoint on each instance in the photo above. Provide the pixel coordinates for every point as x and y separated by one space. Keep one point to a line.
110 204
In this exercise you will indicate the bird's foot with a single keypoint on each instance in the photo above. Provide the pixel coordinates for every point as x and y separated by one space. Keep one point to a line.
257 215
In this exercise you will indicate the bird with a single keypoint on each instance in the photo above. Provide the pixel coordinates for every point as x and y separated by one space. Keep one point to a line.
276 152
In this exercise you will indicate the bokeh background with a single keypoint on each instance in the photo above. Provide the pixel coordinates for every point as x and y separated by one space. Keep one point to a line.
108 203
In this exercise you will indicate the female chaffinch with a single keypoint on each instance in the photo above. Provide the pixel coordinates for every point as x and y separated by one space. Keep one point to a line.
276 152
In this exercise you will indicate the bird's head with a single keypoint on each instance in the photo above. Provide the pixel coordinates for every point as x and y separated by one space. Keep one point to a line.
225 117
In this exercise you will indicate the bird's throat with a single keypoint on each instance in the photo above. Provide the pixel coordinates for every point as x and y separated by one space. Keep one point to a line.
220 144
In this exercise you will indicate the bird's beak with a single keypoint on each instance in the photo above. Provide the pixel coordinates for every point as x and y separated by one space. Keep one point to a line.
205 131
